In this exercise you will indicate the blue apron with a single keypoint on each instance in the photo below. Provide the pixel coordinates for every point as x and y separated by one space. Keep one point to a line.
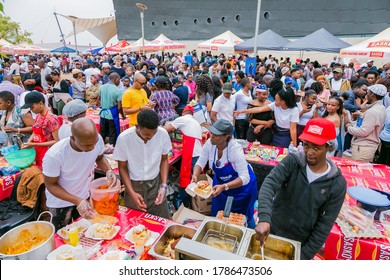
244 196
115 116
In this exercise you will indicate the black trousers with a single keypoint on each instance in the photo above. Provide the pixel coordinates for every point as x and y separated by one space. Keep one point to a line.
264 137
384 155
107 129
241 128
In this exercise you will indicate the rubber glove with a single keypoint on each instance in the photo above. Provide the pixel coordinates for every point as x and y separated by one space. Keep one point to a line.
86 210
111 178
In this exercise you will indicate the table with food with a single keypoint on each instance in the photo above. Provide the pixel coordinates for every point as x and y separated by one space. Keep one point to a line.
362 229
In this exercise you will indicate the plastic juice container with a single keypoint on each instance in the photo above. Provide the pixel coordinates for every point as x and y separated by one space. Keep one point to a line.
73 235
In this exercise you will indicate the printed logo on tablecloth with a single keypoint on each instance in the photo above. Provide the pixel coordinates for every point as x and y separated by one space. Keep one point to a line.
384 252
377 173
8 181
152 219
356 181
383 186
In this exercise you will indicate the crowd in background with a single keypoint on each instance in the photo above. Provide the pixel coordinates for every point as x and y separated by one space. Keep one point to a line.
271 106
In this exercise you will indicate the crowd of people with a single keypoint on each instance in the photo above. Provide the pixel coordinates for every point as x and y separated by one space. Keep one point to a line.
332 108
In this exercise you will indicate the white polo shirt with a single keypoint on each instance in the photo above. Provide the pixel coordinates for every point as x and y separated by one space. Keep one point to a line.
224 107
74 169
143 160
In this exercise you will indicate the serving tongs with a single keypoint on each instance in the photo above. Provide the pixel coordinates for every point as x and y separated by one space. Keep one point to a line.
226 214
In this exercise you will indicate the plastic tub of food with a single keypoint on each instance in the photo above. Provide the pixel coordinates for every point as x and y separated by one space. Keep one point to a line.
104 200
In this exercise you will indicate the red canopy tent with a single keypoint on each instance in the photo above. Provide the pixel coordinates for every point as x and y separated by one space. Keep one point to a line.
117 48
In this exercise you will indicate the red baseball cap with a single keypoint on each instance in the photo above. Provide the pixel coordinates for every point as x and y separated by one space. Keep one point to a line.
318 131
188 108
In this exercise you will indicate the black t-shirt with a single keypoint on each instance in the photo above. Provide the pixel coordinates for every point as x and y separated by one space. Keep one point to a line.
120 71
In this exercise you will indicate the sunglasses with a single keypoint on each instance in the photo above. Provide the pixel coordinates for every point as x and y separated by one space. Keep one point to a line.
142 84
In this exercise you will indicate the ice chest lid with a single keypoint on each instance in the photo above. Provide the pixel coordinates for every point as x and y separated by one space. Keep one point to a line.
368 196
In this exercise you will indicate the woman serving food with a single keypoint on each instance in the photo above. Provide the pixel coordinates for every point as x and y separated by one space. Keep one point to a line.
233 176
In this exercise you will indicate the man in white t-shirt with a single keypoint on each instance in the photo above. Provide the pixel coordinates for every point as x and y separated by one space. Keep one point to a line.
224 105
192 148
68 168
142 155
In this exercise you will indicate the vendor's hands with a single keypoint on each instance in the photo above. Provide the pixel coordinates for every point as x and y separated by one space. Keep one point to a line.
86 210
161 195
9 129
27 145
194 179
217 189
258 128
139 201
262 231
111 178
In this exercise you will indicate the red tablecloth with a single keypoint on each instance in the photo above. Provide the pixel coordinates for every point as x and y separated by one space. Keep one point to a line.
6 182
128 218
356 173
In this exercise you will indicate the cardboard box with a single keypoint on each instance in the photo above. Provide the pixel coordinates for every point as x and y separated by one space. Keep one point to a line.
198 203
188 217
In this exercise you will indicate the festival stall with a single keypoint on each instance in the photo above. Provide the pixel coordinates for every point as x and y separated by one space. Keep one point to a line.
320 41
223 43
345 241
268 40
63 49
6 47
136 46
118 47
163 43
377 46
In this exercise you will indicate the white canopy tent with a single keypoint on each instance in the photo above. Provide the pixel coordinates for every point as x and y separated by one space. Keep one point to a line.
377 46
136 46
163 43
224 42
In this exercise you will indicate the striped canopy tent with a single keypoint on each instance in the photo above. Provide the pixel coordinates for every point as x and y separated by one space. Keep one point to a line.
162 43
377 46
29 49
118 47
224 42
136 46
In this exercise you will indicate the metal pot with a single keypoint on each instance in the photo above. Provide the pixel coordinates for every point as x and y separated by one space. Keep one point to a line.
37 253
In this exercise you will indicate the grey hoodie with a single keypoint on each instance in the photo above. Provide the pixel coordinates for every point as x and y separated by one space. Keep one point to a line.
298 210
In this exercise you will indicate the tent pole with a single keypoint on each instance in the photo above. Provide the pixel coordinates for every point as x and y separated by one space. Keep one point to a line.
74 33
257 27
59 26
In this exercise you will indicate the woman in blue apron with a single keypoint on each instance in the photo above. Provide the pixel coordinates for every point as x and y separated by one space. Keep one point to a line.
232 174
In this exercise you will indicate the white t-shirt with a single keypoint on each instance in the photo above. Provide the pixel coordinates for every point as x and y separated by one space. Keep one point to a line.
224 108
336 85
143 160
65 130
74 169
306 116
283 118
190 127
242 101
44 72
236 158
311 176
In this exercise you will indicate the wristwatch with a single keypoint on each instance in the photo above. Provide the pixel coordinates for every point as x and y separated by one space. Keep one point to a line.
164 186
226 187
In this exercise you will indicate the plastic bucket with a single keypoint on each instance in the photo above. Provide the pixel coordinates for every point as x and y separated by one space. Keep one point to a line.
105 201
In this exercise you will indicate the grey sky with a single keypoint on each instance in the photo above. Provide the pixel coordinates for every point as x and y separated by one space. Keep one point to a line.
36 16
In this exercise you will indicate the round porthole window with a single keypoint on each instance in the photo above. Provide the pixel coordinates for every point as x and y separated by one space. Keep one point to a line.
176 22
164 23
266 15
237 17
223 19
153 23
196 21
208 20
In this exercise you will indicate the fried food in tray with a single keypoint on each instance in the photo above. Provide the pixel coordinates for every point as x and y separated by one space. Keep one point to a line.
25 241
169 250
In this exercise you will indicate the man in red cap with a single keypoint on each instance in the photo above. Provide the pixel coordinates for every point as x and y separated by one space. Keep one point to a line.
192 148
301 198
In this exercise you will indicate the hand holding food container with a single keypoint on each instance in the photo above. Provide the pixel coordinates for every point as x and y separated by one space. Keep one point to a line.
111 178
262 231
105 198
